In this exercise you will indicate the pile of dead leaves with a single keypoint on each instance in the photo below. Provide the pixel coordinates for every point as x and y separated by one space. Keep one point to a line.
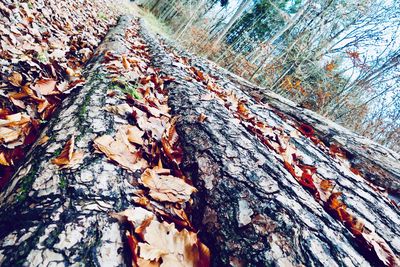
160 233
43 48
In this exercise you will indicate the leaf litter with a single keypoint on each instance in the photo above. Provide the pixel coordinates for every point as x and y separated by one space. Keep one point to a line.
43 49
159 232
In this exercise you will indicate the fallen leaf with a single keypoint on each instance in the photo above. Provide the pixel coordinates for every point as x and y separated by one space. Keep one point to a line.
382 250
43 140
135 135
8 135
15 120
306 130
68 158
121 109
137 216
15 79
326 185
45 86
3 160
121 151
70 72
125 62
202 117
175 248
170 144
166 187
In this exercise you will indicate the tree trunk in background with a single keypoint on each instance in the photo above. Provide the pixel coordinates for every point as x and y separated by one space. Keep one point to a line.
257 53
236 16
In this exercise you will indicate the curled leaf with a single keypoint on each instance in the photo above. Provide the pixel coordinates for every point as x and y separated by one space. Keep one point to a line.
68 158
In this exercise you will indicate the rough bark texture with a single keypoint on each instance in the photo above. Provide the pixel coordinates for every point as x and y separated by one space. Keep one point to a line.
249 209
377 163
51 216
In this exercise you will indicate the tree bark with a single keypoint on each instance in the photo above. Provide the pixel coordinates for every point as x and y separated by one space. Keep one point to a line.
249 209
235 17
51 216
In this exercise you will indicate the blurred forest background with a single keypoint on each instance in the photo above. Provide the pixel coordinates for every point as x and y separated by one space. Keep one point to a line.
340 58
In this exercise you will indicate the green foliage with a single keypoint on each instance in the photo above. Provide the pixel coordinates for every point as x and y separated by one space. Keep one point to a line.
126 87
102 16
42 57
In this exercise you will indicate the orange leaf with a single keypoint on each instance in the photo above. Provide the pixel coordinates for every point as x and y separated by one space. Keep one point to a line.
3 160
125 62
326 185
68 158
15 79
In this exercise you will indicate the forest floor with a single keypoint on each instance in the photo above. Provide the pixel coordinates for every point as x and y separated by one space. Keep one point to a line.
165 158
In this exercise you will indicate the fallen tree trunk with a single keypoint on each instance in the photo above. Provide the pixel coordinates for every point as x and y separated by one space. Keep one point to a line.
51 216
252 208
377 163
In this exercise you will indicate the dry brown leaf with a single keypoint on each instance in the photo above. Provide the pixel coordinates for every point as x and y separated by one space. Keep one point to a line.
135 135
121 109
45 86
16 119
125 62
137 216
15 79
155 125
326 185
382 249
170 143
8 135
175 248
18 103
68 158
3 160
121 151
166 187
202 117
70 72
43 140
43 104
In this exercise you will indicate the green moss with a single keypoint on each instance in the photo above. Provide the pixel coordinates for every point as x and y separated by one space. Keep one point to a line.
63 183
57 152
83 108
26 185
